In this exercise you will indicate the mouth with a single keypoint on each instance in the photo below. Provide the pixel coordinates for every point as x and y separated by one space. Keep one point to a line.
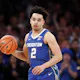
35 26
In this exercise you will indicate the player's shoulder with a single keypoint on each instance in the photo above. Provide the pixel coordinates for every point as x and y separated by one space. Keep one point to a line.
49 34
26 36
49 37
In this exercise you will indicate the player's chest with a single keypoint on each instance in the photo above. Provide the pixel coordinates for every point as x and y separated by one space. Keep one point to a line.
38 42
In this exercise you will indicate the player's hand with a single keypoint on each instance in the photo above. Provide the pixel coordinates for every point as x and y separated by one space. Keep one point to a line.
38 69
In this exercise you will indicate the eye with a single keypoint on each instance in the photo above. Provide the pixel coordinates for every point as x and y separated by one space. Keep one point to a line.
33 19
39 20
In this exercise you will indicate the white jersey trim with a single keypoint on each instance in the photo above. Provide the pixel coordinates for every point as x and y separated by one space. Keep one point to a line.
38 34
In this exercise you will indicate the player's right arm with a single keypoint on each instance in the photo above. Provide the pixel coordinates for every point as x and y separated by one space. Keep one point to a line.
22 55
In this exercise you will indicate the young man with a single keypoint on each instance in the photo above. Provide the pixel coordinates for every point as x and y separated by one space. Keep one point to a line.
36 48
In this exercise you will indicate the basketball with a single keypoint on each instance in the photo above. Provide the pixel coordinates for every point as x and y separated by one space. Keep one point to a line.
8 44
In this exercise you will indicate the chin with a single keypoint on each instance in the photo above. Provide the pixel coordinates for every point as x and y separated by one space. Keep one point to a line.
36 29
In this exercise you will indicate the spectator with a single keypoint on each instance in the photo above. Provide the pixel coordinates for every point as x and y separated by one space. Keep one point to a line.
65 44
78 66
13 69
67 67
23 70
75 48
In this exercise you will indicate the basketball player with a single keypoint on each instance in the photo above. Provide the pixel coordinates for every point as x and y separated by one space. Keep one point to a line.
38 42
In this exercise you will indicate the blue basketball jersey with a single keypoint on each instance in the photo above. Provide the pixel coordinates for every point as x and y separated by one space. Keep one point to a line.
39 53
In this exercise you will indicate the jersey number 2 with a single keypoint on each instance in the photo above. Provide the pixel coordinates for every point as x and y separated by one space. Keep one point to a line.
33 53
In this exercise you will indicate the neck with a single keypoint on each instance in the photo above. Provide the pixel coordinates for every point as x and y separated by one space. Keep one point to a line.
37 31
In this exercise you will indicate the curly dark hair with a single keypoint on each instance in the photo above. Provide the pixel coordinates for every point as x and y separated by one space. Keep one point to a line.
39 10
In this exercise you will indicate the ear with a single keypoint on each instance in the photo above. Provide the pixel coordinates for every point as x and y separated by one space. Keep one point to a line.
43 22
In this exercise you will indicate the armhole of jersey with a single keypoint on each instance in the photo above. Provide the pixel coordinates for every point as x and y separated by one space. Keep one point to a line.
44 36
27 37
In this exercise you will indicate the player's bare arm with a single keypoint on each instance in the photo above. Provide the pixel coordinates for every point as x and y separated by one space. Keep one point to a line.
22 55
53 45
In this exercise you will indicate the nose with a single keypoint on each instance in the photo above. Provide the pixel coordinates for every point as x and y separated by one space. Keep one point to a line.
36 21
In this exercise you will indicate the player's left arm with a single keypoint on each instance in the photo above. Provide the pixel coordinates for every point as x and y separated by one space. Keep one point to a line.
53 45
51 41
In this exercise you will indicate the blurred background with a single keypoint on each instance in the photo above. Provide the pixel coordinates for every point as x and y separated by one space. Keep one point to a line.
63 22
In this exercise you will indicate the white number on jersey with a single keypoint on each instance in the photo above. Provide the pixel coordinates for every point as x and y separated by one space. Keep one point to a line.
33 53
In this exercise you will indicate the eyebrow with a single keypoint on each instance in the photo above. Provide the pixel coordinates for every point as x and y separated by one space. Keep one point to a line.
36 18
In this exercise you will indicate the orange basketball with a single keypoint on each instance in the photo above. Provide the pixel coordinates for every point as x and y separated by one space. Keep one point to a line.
8 44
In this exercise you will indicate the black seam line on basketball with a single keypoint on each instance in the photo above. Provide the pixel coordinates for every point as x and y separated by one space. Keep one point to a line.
6 44
15 44
6 38
10 47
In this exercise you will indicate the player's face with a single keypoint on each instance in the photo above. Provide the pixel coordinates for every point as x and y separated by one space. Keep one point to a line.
37 21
